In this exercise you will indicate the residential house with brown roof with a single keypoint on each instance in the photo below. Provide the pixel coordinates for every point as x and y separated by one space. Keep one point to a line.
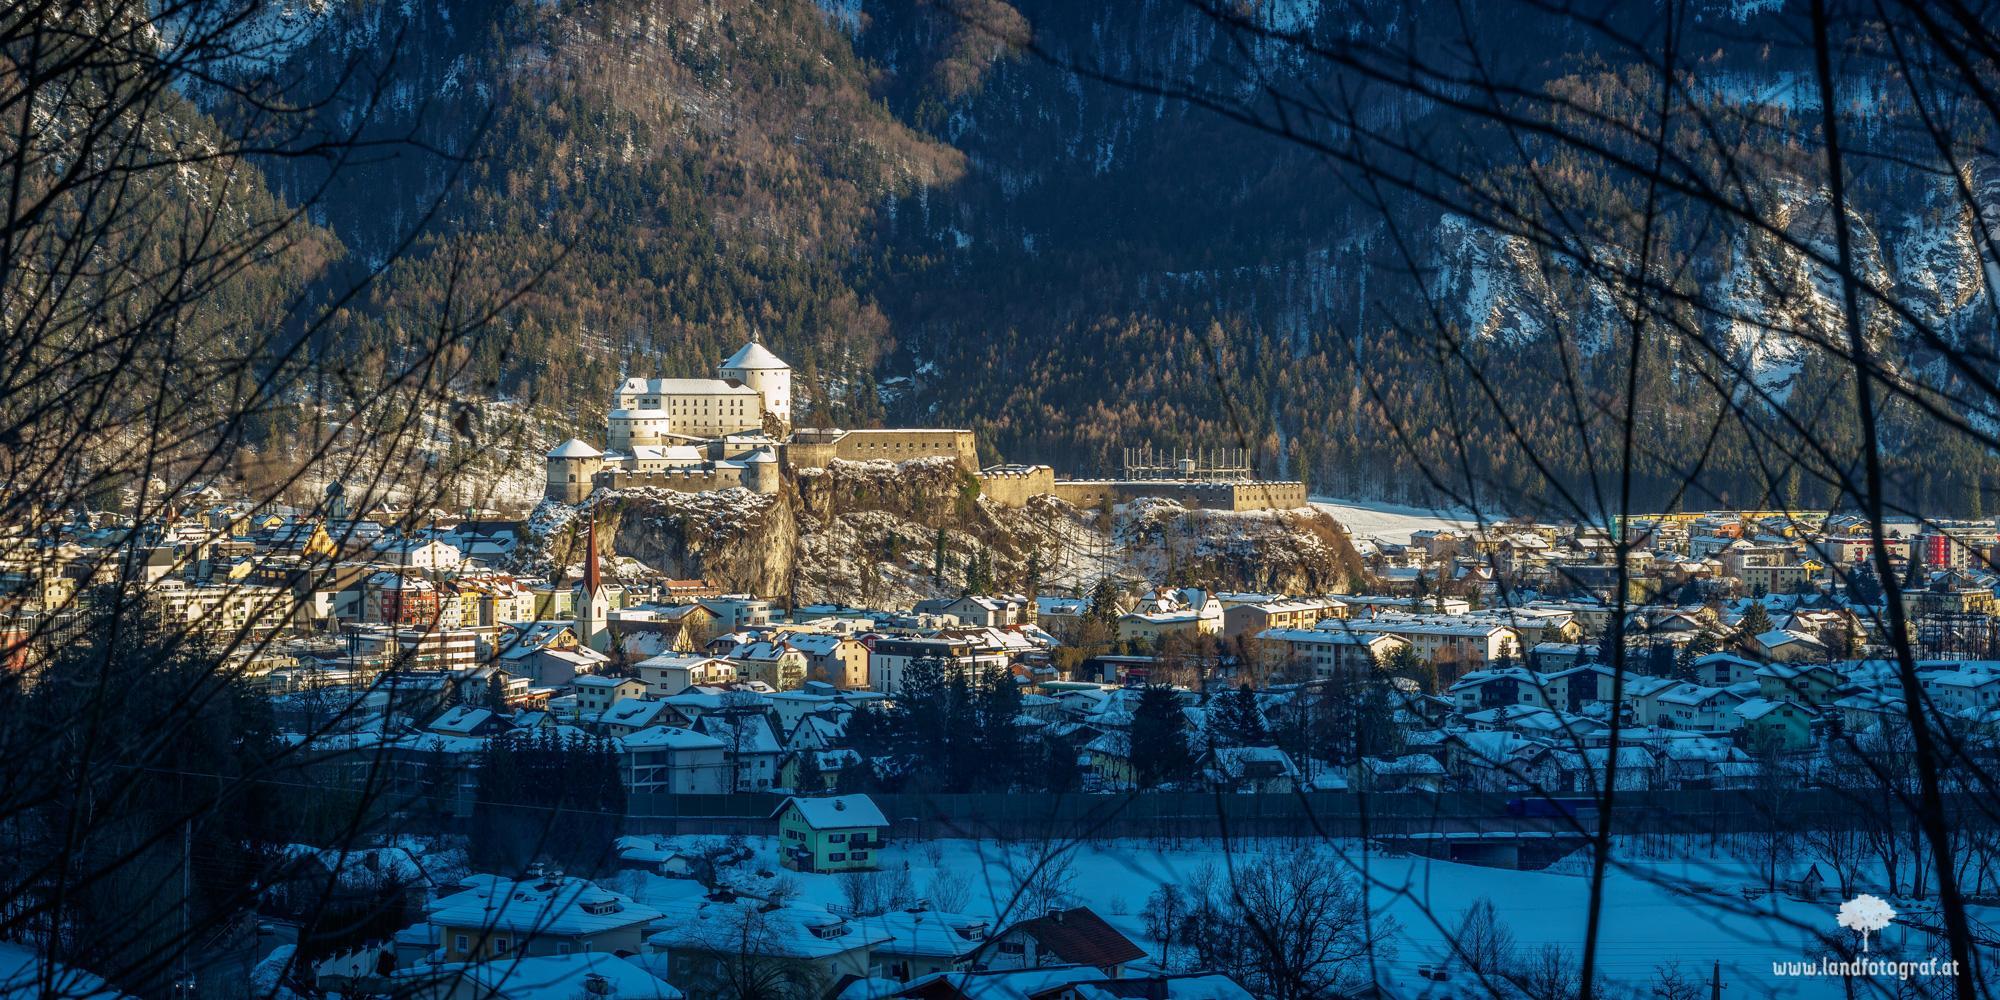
1075 936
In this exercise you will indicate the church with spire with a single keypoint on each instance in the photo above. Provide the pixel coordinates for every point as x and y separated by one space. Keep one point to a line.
593 598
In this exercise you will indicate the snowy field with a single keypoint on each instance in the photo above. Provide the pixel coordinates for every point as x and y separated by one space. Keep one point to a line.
1688 911
1393 522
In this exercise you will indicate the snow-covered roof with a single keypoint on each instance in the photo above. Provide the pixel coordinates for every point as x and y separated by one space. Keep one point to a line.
1408 764
670 737
753 357
702 924
601 680
563 977
636 712
684 453
1692 694
1324 636
1757 708
1781 637
1198 986
814 643
574 448
928 934
461 720
999 984
679 387
835 812
1235 761
555 907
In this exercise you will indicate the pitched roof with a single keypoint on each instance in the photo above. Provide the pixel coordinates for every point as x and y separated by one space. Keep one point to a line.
996 984
574 448
834 812
1080 936
637 713
559 977
1189 986
556 906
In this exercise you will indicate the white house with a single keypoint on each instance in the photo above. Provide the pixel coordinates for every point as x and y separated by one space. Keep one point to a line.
674 761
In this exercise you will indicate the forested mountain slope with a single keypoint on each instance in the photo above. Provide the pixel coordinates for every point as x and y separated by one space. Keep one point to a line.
937 226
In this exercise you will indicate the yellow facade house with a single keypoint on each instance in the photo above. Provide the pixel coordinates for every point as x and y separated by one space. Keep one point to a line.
836 833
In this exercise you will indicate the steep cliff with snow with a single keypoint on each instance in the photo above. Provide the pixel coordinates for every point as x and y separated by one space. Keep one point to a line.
869 534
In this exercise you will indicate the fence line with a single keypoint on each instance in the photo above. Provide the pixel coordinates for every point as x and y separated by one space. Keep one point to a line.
1199 815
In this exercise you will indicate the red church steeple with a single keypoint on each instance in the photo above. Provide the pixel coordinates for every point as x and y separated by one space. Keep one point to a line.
592 580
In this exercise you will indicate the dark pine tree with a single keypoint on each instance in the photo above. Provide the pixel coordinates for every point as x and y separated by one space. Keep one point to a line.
1238 722
1159 738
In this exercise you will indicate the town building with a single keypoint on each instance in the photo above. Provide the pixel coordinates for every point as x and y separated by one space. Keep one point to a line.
831 834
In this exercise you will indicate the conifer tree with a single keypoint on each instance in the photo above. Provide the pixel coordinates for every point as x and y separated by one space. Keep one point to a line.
1756 621
1238 721
1159 738
1000 746
808 778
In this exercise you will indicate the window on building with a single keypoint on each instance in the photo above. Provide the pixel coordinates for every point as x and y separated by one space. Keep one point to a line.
460 943
836 857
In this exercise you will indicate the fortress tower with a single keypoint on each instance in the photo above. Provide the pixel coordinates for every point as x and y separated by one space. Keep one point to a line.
763 371
571 466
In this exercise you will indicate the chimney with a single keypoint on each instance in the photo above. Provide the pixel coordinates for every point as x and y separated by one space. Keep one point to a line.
597 985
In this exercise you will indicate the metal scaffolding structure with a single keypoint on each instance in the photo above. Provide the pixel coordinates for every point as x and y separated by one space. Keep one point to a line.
1198 464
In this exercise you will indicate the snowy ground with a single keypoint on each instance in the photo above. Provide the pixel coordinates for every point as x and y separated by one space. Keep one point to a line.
1689 910
1393 522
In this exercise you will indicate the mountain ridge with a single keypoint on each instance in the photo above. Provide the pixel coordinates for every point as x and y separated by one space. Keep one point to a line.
888 193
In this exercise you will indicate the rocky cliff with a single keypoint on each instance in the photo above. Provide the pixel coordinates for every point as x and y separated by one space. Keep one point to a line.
870 533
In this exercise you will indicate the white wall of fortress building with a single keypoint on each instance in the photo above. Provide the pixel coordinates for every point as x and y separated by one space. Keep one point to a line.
1013 485
652 420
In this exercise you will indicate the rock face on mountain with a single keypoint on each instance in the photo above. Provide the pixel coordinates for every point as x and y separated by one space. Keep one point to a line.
1301 551
878 533
742 541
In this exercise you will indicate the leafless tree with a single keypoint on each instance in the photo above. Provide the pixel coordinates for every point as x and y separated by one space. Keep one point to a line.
1288 924
1671 983
1550 973
1497 143
948 890
1044 880
1483 941
1165 910
170 336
